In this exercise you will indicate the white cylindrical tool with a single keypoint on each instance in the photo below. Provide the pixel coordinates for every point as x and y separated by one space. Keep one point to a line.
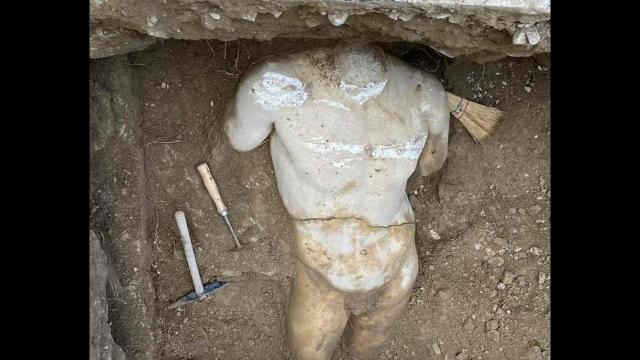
188 252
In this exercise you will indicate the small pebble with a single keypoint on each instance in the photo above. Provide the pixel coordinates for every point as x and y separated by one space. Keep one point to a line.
434 234
462 356
522 211
436 348
534 210
542 181
468 324
493 335
527 89
444 294
534 352
522 281
502 242
496 261
501 286
507 277
541 277
431 267
152 21
492 324
535 251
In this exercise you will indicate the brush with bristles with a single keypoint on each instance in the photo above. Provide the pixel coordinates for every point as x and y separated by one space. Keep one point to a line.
479 120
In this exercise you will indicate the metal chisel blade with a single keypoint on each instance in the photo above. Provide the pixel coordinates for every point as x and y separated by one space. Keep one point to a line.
233 233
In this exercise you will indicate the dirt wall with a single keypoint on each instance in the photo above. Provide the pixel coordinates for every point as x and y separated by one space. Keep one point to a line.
479 29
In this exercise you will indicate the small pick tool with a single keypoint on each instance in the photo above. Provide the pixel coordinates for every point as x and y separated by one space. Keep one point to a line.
201 291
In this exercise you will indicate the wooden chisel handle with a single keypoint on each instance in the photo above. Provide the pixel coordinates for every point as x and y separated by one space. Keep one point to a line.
212 188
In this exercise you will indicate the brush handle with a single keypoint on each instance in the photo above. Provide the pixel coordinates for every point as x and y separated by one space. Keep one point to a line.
188 252
457 105
212 188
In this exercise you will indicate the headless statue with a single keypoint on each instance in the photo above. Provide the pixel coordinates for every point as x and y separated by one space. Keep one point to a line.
351 125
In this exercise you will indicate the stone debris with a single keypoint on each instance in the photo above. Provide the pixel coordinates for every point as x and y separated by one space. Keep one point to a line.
535 251
508 277
469 324
436 348
444 294
493 335
496 261
541 277
535 210
492 324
